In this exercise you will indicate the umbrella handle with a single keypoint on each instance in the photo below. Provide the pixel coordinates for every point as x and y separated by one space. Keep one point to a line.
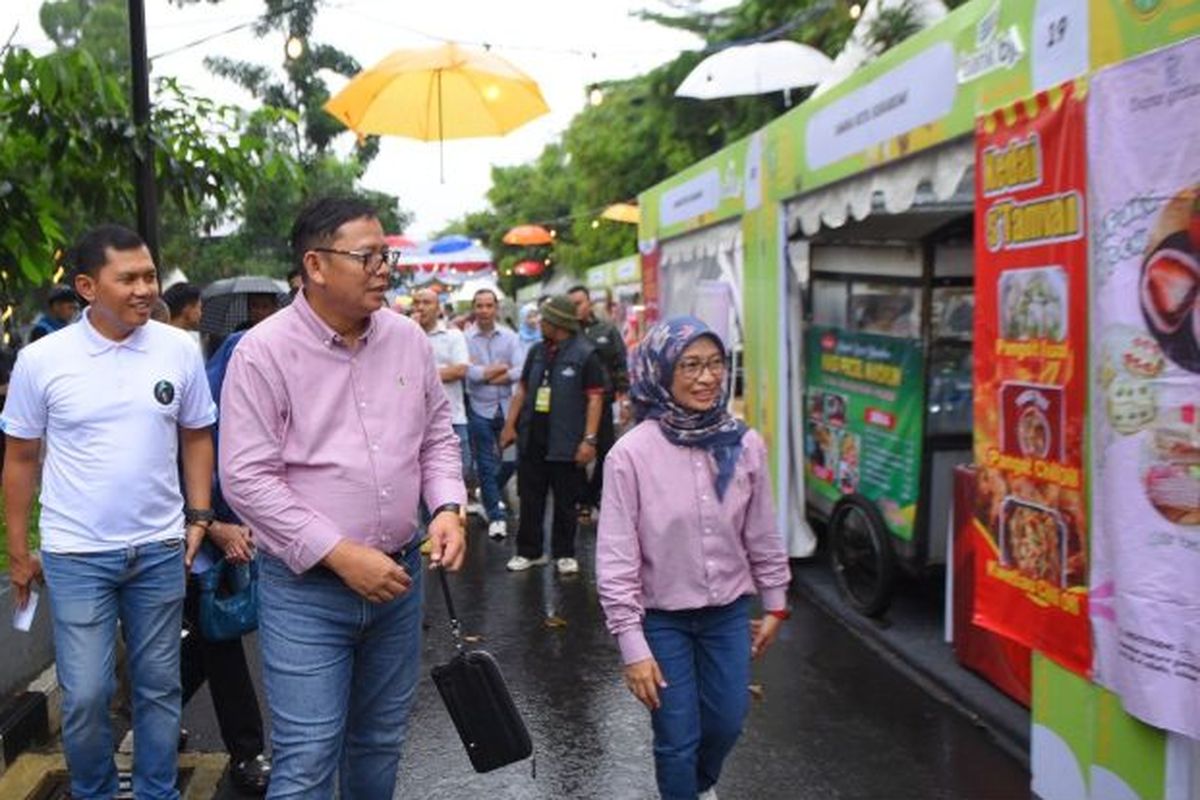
441 138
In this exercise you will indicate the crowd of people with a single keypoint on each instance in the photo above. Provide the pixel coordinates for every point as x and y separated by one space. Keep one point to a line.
328 442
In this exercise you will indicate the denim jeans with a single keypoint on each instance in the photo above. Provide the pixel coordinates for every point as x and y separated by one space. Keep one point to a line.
704 655
340 674
492 472
143 586
464 450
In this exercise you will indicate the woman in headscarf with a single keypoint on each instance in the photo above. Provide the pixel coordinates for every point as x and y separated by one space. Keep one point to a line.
687 533
529 331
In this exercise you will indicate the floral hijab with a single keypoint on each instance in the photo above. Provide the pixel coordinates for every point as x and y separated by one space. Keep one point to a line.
654 370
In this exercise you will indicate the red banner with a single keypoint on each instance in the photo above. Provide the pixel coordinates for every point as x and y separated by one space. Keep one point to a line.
1031 375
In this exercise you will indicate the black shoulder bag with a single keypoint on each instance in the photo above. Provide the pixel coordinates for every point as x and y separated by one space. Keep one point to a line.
479 702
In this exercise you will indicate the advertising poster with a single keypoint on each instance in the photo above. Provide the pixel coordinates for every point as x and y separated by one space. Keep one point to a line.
1144 162
863 415
1031 375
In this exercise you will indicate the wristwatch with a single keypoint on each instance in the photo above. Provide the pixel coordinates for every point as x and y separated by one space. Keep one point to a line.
453 508
198 516
589 438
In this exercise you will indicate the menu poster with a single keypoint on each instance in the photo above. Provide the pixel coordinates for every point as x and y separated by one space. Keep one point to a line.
1144 158
1031 375
863 418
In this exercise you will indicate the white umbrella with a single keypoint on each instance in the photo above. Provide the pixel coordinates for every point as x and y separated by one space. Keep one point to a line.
755 69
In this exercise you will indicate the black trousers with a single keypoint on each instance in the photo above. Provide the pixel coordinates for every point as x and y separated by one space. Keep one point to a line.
223 664
536 478
606 437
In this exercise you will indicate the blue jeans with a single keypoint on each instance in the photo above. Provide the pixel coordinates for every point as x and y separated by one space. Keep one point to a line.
340 674
143 586
464 451
704 656
493 473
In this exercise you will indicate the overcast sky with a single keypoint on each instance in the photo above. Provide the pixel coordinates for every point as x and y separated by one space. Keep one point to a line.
536 35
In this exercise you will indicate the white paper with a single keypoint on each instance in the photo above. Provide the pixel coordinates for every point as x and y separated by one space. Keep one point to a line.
23 617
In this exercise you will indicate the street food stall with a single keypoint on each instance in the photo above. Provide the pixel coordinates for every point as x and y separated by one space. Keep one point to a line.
887 309
932 274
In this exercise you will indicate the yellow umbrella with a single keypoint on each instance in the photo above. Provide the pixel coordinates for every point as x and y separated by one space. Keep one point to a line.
622 212
443 92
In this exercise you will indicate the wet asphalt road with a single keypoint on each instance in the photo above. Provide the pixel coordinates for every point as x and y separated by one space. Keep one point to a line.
835 720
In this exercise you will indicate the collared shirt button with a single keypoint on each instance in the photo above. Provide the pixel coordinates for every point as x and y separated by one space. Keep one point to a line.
383 492
363 404
374 448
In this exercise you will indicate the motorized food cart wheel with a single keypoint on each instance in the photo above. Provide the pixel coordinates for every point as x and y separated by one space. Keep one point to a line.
861 554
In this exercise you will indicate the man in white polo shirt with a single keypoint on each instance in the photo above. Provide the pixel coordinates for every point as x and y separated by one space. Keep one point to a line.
453 358
114 398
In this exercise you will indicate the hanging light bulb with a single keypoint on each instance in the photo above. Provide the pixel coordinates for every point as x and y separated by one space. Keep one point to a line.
855 11
294 48
595 96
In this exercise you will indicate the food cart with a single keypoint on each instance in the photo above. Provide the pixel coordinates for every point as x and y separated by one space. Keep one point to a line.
887 312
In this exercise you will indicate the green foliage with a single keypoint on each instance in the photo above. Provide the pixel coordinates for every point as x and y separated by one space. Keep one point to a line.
892 26
66 143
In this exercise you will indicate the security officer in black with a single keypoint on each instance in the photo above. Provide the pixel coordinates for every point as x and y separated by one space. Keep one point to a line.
554 417
611 348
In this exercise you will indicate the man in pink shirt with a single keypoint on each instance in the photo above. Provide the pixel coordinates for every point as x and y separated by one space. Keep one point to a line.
334 426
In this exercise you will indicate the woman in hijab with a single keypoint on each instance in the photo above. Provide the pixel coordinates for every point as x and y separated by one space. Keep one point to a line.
529 331
687 533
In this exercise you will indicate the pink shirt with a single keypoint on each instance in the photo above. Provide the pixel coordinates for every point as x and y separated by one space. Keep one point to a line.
665 542
320 442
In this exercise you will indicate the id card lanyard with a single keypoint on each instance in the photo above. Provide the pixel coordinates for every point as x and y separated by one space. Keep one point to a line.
541 400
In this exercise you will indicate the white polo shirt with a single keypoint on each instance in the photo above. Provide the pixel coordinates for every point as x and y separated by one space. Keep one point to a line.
109 413
450 348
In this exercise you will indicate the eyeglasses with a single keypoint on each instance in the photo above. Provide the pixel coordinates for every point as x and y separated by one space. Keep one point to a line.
371 260
693 368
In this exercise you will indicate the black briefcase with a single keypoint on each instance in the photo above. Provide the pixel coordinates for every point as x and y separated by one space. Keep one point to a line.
479 703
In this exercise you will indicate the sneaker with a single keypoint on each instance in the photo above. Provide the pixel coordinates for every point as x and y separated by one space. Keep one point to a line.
708 794
475 508
252 776
498 529
521 563
567 566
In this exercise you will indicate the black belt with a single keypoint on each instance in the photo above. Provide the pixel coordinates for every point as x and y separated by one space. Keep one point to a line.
320 570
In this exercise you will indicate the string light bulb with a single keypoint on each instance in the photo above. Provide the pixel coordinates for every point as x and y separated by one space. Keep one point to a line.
294 48
595 224
855 11
595 96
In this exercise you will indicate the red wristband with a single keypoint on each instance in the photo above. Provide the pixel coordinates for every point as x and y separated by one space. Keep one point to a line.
782 614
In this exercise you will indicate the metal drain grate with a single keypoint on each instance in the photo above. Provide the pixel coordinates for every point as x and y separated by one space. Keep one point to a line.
56 785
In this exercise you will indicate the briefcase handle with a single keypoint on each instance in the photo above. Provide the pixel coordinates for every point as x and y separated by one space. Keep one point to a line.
455 625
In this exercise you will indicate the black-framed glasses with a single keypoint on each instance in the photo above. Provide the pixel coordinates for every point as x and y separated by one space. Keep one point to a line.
371 260
693 368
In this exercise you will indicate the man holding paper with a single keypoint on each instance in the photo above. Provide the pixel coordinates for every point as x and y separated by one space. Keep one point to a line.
116 399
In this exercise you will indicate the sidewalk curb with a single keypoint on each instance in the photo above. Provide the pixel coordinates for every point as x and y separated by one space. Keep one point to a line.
30 717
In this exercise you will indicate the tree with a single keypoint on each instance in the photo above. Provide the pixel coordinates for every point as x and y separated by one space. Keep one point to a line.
65 153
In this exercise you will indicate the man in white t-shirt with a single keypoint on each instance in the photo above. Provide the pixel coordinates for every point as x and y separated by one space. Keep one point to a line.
120 402
453 358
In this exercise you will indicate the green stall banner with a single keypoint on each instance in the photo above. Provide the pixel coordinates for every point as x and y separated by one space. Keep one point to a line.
864 413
